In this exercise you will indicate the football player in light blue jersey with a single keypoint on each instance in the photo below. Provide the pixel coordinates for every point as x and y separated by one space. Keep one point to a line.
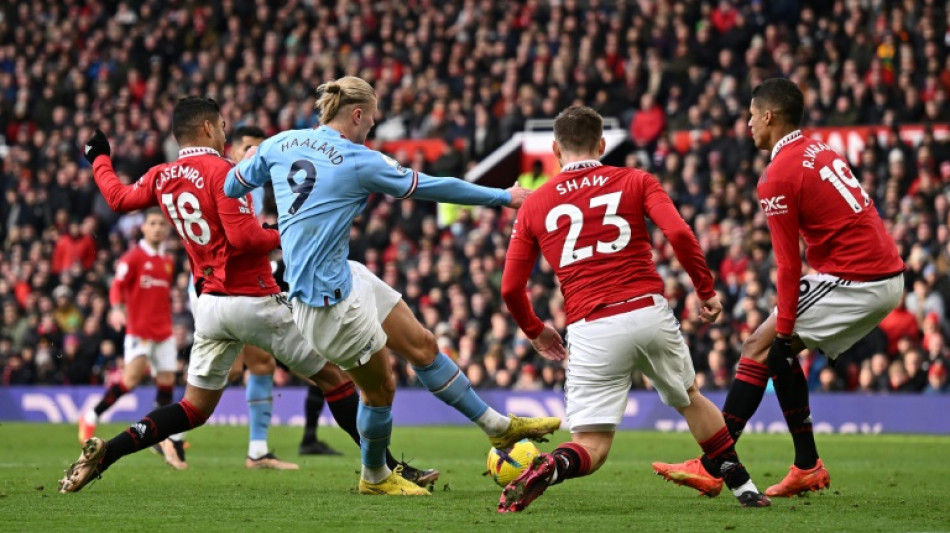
322 179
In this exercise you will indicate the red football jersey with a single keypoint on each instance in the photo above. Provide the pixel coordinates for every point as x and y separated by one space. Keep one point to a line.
143 279
589 223
808 189
224 240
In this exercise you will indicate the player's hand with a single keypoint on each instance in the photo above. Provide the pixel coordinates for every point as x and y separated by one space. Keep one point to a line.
518 195
268 225
96 146
710 310
117 318
550 344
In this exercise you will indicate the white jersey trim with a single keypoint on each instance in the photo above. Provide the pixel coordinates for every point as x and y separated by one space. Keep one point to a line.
196 150
791 137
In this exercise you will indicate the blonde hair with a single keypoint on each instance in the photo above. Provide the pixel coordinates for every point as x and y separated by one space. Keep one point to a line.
334 95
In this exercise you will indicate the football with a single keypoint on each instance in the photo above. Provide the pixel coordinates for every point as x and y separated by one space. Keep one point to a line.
505 466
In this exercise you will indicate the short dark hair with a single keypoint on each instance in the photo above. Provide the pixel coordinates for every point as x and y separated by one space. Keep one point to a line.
249 131
578 129
154 211
783 98
191 112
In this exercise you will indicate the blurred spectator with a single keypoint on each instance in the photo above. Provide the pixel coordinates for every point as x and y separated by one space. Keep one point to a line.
937 379
535 177
470 73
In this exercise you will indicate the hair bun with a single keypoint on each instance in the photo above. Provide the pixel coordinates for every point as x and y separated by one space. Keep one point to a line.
333 87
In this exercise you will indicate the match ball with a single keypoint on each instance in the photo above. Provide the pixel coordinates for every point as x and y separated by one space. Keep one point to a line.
505 466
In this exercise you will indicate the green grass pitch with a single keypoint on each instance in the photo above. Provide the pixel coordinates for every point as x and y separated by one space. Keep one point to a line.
879 483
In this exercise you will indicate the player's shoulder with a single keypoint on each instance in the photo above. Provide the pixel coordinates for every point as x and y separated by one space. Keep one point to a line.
132 255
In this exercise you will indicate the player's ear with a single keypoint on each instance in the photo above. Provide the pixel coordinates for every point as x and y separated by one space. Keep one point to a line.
556 148
602 147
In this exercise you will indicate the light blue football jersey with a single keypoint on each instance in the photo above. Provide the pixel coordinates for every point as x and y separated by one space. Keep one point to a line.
321 183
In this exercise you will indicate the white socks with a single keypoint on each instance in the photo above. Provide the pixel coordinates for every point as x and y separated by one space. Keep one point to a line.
257 449
375 475
748 486
91 417
493 423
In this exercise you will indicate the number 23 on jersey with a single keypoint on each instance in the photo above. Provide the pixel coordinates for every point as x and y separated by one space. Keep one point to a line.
570 253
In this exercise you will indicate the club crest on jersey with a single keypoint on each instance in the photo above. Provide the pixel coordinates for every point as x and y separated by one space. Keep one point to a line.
774 205
393 163
245 208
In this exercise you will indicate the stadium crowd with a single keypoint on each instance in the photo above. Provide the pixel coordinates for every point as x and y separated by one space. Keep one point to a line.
472 72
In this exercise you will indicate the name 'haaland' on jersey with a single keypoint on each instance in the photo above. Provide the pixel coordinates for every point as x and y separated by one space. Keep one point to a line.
574 184
329 151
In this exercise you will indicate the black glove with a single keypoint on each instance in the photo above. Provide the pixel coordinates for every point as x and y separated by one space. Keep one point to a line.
96 146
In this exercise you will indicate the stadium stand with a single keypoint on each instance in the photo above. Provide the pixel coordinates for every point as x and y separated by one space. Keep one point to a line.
678 74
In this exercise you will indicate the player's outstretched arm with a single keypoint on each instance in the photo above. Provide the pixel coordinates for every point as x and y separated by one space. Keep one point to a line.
121 198
459 191
250 173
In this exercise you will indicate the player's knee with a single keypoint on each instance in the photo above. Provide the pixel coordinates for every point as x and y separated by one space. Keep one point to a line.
329 377
752 348
424 347
381 395
131 380
262 367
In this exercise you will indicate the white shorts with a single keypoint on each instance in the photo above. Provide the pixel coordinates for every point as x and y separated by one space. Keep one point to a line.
604 354
223 324
834 314
351 331
162 356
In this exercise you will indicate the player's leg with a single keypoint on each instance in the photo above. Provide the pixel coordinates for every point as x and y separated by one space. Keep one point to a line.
661 354
752 376
313 406
719 452
349 333
833 314
441 376
344 404
134 369
207 376
258 393
163 359
599 375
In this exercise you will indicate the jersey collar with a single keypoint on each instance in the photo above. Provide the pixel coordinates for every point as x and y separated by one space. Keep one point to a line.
791 137
196 150
577 165
149 250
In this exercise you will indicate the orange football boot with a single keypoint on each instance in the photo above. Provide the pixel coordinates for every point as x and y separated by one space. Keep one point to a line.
799 481
693 474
